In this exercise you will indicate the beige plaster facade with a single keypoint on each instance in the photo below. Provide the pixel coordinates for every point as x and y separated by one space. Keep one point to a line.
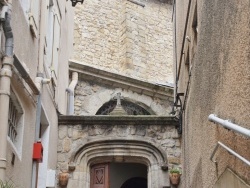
30 23
212 70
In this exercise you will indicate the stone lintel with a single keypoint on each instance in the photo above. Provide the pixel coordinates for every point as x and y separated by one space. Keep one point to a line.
89 73
117 120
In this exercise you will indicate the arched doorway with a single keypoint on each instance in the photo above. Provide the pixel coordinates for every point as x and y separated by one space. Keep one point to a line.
120 151
136 182
122 172
118 175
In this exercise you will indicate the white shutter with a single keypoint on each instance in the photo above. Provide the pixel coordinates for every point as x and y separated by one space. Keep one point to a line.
56 43
34 16
49 37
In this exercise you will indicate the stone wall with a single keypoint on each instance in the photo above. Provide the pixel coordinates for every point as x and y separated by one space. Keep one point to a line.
76 138
89 97
126 38
70 137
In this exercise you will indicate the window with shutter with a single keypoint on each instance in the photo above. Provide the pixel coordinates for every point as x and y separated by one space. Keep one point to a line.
34 16
15 120
52 42
56 44
49 41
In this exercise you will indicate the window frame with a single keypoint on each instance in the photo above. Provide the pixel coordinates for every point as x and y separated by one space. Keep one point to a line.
16 143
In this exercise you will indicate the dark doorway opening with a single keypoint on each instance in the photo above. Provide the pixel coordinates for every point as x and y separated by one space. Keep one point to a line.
128 175
136 182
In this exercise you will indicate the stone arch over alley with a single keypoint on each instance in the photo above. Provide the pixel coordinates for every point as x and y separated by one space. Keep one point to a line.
88 140
123 97
120 151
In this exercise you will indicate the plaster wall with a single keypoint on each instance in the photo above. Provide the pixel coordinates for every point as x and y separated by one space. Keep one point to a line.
20 172
65 53
60 98
219 83
26 49
230 180
126 38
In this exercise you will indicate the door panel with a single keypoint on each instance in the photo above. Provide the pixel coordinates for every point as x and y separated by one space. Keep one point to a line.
99 176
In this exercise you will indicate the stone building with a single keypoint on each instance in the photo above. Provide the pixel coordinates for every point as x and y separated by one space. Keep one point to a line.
36 42
119 131
212 77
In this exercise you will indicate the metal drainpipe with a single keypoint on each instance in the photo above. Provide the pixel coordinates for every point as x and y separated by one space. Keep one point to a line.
39 81
183 39
71 91
5 80
175 43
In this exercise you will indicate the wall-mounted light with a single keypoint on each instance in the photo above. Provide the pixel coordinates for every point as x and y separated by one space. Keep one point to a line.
177 107
74 2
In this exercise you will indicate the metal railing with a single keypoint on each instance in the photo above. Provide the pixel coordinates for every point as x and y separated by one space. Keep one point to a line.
230 151
234 127
229 125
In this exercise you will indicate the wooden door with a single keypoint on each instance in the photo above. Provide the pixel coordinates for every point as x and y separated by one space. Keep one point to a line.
99 176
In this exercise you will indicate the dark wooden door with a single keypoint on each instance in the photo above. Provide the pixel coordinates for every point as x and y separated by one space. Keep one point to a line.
99 176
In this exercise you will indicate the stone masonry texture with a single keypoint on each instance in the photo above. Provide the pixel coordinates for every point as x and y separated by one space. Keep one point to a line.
89 97
70 137
126 38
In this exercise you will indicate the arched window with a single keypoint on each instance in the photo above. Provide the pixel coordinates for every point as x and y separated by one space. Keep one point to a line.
129 107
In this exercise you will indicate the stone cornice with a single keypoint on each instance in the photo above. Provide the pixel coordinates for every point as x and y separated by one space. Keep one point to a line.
117 120
90 73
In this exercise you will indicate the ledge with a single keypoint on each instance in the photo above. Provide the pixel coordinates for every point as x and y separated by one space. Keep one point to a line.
86 72
117 120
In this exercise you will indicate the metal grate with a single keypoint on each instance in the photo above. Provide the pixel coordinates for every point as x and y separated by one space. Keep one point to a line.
13 121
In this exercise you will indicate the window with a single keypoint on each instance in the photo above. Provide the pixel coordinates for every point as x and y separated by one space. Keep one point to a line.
195 31
34 17
15 120
52 40
56 44
49 40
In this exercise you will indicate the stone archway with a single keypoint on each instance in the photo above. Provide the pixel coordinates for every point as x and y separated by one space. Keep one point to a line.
135 151
84 141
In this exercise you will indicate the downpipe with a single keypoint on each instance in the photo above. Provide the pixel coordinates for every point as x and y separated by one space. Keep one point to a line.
39 82
71 91
5 80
